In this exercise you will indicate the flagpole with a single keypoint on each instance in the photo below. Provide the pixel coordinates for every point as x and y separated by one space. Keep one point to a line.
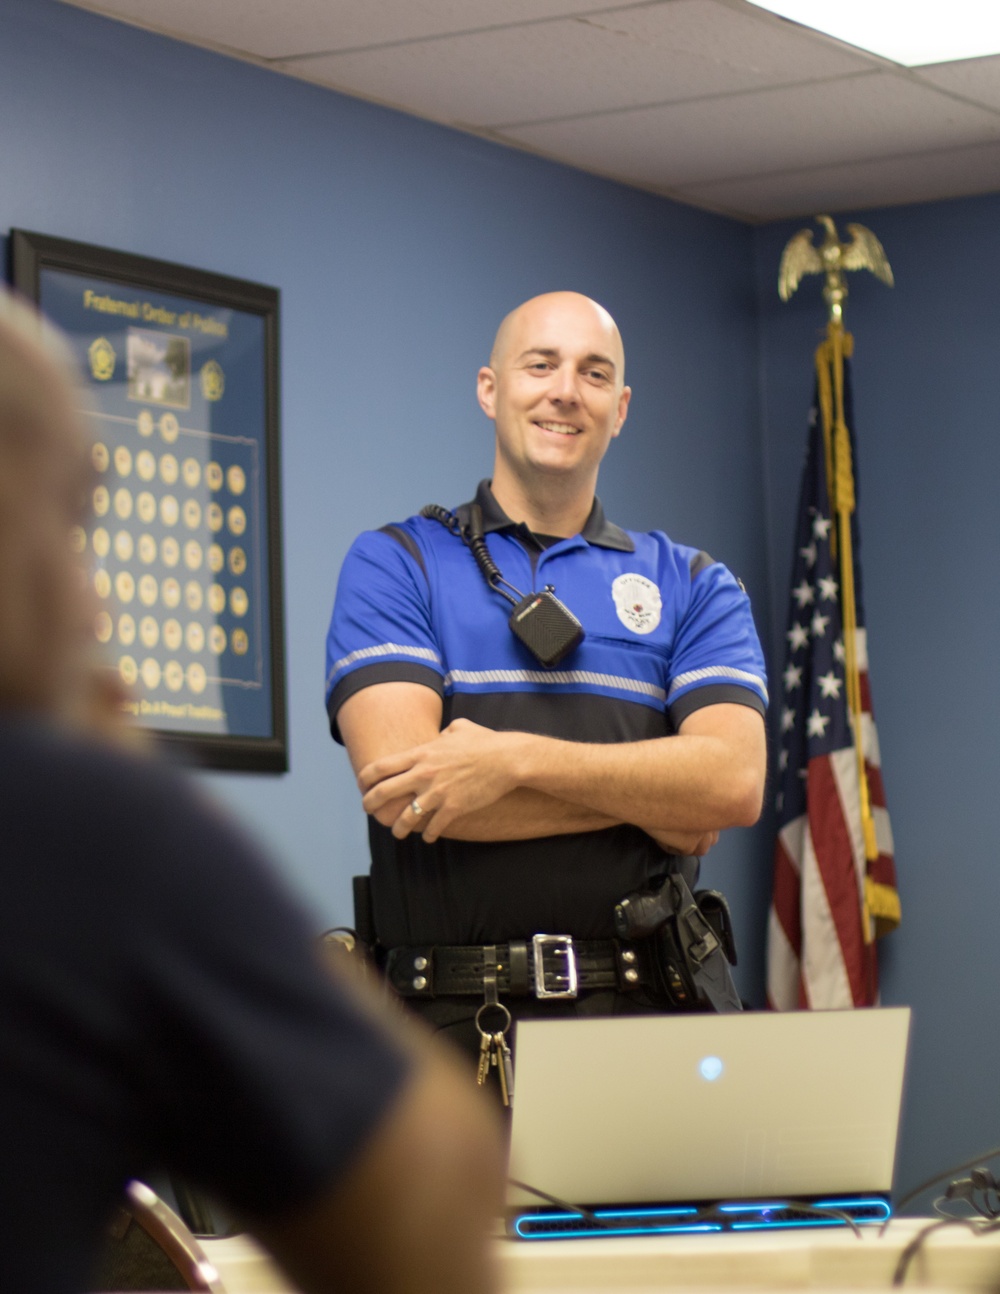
840 486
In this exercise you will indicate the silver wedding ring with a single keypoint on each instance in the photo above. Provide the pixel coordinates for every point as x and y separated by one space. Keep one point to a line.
415 806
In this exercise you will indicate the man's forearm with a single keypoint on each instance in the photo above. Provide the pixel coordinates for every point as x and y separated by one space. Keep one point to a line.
708 777
689 783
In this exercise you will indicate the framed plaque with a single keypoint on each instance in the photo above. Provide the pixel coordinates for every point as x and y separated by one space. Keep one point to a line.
184 534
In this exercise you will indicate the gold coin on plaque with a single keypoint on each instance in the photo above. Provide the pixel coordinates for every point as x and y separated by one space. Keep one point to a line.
170 591
102 358
194 595
191 469
193 555
128 670
145 423
192 514
145 465
102 583
195 636
124 546
149 631
169 427
213 476
173 636
126 630
169 471
101 541
173 676
238 601
123 503
241 643
216 558
124 586
78 539
145 507
103 627
237 520
148 590
216 599
102 501
197 678
99 456
170 551
236 479
214 518
169 510
213 380
123 461
151 673
147 549
237 560
217 639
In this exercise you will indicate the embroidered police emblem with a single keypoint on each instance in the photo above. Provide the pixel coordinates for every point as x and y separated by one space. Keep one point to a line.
637 601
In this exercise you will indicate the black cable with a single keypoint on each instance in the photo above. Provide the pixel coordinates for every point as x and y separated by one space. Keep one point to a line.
976 1225
582 1212
939 1177
473 538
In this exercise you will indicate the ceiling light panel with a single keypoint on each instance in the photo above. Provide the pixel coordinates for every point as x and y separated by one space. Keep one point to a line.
914 32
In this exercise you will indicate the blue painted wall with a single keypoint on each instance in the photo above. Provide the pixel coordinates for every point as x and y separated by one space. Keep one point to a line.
397 246
926 413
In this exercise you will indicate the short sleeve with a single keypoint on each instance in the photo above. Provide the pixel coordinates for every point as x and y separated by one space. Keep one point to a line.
717 655
381 629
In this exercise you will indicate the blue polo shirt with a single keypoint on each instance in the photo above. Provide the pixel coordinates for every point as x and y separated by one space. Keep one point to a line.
668 630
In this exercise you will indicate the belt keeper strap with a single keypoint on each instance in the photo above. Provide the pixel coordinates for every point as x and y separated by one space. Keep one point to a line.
517 950
490 975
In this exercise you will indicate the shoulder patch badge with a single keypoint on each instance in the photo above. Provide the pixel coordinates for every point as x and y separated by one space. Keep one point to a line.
638 603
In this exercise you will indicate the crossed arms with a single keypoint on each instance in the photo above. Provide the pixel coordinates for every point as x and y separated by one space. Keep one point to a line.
476 784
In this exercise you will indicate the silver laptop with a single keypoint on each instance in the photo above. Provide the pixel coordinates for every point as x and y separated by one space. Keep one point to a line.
646 1120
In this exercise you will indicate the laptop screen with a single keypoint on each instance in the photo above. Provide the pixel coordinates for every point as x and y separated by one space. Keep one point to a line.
690 1108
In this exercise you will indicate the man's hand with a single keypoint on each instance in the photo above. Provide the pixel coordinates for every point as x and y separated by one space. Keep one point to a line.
463 770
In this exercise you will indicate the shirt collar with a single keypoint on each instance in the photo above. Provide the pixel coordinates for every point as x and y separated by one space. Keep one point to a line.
597 530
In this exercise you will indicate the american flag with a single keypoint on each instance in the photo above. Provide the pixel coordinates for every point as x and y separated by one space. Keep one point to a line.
830 902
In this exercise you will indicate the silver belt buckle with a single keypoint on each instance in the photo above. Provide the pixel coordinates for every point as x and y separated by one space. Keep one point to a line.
564 976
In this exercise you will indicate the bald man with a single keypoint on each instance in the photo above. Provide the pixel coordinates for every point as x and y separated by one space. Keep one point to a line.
513 796
162 1007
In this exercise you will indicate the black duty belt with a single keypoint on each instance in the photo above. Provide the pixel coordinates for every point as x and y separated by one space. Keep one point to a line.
544 966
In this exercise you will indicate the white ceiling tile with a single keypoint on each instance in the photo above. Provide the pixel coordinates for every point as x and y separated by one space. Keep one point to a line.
923 177
281 28
650 54
853 119
975 78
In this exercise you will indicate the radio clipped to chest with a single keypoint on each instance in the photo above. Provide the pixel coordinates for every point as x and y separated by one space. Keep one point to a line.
546 626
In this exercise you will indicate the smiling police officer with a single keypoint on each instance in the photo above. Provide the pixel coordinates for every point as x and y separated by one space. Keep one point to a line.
524 771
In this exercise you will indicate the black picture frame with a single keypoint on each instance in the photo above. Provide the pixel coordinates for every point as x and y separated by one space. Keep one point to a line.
192 584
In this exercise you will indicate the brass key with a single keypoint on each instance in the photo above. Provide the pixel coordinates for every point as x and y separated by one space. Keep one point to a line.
485 1058
505 1068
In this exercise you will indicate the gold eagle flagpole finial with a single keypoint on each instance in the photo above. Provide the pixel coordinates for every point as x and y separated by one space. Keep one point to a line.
832 258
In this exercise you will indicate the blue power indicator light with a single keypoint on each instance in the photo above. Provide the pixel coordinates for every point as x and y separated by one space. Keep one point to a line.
710 1068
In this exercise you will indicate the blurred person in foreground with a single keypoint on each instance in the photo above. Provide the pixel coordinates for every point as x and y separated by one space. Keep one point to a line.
162 1005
